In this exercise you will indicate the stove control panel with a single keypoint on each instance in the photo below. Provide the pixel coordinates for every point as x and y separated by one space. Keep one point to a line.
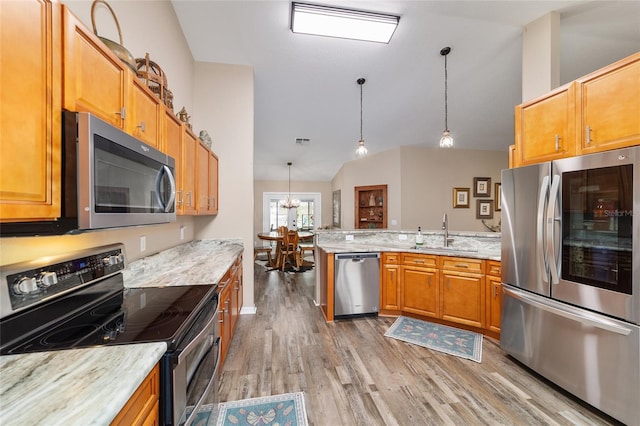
40 281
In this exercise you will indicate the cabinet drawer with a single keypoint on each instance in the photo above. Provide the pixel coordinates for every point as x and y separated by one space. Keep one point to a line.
392 258
494 268
462 264
425 260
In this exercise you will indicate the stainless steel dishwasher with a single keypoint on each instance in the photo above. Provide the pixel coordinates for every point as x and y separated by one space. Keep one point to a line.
357 284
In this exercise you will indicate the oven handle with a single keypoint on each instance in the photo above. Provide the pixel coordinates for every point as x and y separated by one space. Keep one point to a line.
204 333
212 381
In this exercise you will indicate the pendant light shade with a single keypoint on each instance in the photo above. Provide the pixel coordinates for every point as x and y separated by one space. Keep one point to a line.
290 203
446 141
362 150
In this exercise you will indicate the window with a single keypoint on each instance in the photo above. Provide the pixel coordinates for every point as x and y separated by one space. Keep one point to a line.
307 215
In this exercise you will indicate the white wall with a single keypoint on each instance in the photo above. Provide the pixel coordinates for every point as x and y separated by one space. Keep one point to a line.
223 105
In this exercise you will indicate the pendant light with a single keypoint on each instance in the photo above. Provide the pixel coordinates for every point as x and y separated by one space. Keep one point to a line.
362 150
446 141
290 203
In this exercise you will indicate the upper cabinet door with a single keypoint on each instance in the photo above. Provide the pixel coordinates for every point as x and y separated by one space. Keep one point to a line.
94 80
30 132
545 127
146 115
609 101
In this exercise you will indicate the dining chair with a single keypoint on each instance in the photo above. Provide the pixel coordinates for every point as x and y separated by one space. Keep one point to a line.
282 230
289 250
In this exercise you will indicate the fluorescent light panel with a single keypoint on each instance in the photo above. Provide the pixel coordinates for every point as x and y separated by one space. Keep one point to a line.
342 23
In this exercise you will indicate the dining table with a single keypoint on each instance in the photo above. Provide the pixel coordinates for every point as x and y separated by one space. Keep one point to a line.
277 237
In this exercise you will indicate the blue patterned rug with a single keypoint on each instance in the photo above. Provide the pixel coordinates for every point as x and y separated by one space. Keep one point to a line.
284 409
450 340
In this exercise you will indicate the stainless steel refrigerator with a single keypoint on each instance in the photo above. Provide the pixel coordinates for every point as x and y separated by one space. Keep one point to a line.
571 276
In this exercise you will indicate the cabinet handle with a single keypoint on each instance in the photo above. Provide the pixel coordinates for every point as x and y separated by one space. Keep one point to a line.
418 261
179 200
448 283
122 113
495 291
588 135
221 321
189 197
557 142
461 265
142 126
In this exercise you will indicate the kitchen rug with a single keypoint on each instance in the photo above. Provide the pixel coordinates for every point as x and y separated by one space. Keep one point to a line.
284 409
450 340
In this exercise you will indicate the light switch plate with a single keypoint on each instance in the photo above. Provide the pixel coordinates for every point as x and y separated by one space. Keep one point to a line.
143 243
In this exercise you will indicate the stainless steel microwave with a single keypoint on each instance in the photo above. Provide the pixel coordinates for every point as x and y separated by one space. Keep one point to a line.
109 179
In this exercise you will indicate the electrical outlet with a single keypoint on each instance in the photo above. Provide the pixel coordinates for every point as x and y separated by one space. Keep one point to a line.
349 237
394 222
402 237
182 232
143 243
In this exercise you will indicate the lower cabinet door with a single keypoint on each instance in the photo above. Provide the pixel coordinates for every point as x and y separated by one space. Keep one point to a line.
463 298
420 291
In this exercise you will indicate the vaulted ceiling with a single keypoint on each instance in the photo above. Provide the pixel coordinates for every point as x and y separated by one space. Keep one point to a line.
305 86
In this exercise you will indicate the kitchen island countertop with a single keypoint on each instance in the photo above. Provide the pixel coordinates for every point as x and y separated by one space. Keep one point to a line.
73 387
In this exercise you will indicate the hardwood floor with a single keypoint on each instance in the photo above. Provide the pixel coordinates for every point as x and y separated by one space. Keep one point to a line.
352 375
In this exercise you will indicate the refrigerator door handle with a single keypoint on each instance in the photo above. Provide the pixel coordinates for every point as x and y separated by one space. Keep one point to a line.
580 316
543 263
551 235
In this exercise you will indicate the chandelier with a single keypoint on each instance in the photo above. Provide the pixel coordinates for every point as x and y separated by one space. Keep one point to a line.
289 203
446 141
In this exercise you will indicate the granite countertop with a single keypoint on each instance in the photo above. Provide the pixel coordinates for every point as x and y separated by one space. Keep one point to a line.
77 386
194 263
478 245
91 385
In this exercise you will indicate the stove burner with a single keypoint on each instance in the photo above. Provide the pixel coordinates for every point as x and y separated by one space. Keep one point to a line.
68 336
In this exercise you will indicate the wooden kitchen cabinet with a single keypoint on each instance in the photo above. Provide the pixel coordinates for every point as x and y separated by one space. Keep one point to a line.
94 79
545 127
609 107
493 296
226 330
189 161
146 109
390 284
236 289
207 180
463 292
420 285
30 127
370 206
142 409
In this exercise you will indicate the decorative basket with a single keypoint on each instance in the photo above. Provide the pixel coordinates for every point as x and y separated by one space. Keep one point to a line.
152 75
121 52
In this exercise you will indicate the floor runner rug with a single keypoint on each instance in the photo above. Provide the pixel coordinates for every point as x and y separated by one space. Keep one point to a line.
450 340
284 409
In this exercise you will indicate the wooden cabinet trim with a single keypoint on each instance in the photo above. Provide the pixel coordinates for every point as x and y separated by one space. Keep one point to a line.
142 407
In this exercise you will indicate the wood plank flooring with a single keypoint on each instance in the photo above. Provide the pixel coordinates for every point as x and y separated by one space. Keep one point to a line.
352 375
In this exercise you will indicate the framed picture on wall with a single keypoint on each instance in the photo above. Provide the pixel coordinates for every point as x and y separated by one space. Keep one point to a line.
482 187
336 208
484 209
498 195
460 198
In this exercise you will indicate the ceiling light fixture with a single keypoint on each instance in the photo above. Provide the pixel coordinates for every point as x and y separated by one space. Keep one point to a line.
446 141
362 150
342 23
290 203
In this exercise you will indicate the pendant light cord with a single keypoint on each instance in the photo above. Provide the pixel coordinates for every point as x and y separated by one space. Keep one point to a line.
446 124
361 112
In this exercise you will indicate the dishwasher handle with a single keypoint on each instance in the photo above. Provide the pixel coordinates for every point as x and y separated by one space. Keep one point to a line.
357 257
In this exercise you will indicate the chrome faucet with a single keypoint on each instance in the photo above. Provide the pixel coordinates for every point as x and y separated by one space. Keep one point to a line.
445 226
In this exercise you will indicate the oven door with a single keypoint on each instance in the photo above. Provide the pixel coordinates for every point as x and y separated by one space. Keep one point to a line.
190 373
598 266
